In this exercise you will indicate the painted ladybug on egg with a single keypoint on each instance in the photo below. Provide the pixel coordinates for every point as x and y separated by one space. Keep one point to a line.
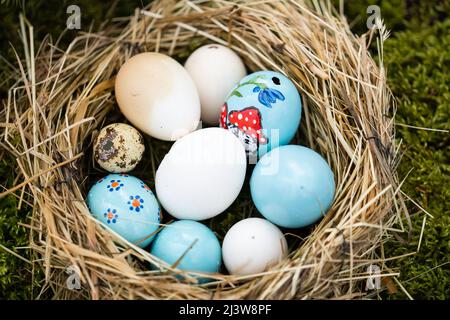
246 125
263 111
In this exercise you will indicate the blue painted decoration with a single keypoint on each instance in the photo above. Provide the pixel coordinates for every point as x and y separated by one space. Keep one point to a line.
126 205
263 110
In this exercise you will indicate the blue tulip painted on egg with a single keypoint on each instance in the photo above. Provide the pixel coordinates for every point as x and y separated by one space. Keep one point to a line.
292 186
126 205
268 96
263 110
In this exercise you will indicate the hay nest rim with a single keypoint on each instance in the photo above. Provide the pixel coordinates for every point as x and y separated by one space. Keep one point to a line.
61 98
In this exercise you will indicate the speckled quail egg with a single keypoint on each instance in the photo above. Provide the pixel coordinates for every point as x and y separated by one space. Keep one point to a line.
118 148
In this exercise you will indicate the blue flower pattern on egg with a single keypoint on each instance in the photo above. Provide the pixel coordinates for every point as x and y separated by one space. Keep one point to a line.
267 96
127 206
111 215
136 203
114 185
263 110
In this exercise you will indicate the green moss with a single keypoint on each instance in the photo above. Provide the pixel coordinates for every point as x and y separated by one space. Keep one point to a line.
418 75
15 275
398 15
417 59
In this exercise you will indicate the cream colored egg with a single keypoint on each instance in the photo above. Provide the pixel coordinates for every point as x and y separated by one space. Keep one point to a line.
118 148
215 70
252 246
158 96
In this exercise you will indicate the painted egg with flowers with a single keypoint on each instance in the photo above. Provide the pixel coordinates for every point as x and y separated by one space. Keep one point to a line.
126 205
263 110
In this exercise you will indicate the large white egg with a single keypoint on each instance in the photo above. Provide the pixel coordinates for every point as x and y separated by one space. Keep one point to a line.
158 96
215 70
202 174
252 246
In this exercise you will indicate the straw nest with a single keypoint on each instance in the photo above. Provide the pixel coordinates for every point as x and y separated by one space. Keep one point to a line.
62 98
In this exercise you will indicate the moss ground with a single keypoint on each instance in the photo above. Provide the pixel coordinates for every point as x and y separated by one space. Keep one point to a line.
417 58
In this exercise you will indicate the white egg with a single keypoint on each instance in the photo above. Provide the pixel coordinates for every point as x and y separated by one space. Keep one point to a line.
202 174
252 246
215 70
157 95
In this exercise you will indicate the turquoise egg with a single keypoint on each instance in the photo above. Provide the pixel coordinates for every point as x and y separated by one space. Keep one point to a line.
263 110
126 205
292 186
193 242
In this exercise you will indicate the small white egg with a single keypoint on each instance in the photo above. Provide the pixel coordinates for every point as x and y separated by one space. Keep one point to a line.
202 174
158 96
118 148
252 246
215 70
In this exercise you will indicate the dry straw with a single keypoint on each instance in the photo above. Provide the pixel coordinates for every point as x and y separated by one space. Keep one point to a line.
61 98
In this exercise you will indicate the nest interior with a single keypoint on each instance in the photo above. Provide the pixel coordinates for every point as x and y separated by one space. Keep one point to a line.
63 97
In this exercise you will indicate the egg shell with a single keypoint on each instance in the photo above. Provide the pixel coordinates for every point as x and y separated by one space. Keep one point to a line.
118 148
263 110
201 175
191 243
158 96
126 205
252 246
215 69
292 186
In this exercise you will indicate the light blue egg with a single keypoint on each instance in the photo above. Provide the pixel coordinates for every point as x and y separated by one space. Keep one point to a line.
126 205
263 110
176 239
292 186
